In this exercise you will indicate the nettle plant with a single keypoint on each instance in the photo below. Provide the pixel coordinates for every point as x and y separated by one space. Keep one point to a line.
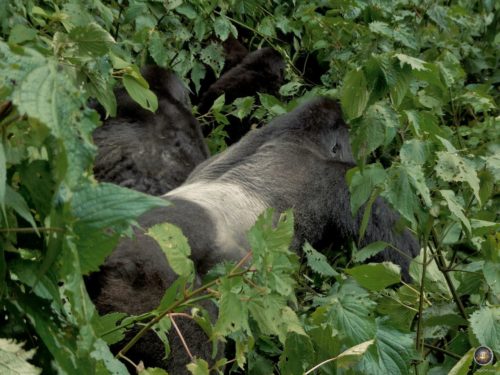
418 83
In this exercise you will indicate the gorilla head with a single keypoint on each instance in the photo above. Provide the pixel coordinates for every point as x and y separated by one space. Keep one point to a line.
150 152
298 161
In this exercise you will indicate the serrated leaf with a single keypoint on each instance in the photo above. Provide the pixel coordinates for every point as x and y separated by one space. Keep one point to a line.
14 359
370 250
354 94
400 194
376 276
456 208
414 63
105 327
198 367
392 353
453 168
350 311
141 94
317 261
213 56
175 246
243 106
485 324
223 27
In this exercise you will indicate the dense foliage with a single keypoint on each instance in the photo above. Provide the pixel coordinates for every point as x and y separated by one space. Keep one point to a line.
418 82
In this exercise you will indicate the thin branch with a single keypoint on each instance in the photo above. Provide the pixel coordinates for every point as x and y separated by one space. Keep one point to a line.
181 337
30 230
441 350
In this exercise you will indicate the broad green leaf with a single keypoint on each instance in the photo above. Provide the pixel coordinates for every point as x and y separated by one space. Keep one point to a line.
298 354
354 94
233 311
376 276
223 27
103 207
392 353
272 104
317 261
14 359
140 93
453 168
350 311
21 33
400 194
363 182
91 40
491 272
485 324
175 246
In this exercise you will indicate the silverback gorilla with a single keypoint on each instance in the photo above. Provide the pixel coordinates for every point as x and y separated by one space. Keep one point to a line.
150 152
297 161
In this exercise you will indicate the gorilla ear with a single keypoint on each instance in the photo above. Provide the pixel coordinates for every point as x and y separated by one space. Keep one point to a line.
164 83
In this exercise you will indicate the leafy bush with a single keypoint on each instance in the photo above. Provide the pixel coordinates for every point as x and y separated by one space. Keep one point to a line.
418 82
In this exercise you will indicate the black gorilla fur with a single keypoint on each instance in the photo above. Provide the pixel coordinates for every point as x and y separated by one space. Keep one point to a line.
150 152
299 160
260 71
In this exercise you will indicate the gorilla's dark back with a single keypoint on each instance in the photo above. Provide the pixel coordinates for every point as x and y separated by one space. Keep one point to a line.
150 152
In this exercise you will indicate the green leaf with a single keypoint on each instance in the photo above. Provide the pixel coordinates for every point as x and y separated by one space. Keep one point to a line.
456 208
105 327
370 250
91 40
103 207
223 27
485 324
463 365
14 359
392 353
491 272
213 56
414 63
16 201
376 128
317 261
272 104
350 311
362 183
399 193
141 94
3 178
243 106
453 168
175 246
198 367
21 33
298 354
376 276
354 94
